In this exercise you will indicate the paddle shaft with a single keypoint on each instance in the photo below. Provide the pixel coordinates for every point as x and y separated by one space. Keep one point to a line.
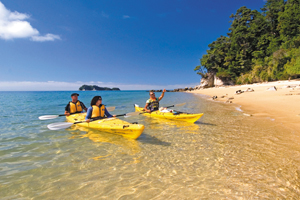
179 112
99 118
158 110
170 106
120 115
91 120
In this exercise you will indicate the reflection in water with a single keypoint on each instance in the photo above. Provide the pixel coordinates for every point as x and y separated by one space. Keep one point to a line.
202 123
152 140
165 124
99 137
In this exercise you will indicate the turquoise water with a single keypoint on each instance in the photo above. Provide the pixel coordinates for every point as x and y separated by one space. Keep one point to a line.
223 155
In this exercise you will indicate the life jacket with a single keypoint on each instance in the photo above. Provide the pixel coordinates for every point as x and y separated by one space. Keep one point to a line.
75 107
98 111
153 104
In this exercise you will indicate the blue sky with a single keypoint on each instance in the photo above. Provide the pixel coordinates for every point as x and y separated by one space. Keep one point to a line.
130 44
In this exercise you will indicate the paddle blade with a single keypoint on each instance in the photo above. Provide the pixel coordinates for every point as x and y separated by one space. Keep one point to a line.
45 117
181 104
59 125
132 114
109 109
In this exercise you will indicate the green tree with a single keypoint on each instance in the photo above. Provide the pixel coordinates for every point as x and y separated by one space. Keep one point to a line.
271 10
260 46
246 31
289 22
215 57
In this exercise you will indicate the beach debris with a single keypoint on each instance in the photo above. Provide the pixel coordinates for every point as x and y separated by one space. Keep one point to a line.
272 88
239 92
292 93
214 97
223 96
249 90
249 115
228 100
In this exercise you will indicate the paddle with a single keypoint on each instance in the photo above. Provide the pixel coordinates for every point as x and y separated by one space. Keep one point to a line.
46 117
176 105
63 125
128 114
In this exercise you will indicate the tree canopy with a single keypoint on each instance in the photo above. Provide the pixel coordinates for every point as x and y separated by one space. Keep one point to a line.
260 46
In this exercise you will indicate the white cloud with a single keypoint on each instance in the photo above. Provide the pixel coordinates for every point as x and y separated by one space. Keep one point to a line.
13 25
71 86
47 37
126 17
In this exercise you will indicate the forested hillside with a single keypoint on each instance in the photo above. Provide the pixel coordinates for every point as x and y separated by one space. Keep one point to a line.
260 46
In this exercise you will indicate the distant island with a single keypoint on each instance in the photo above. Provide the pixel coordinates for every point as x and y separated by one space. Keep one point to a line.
96 88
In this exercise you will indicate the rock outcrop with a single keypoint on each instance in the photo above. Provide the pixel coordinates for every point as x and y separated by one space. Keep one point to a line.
96 88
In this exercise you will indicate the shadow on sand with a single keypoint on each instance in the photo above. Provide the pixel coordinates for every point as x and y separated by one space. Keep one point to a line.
148 139
203 123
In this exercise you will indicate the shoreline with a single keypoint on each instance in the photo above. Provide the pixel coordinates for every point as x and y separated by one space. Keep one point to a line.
281 104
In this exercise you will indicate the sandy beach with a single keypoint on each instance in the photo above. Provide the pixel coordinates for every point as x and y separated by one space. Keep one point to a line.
281 105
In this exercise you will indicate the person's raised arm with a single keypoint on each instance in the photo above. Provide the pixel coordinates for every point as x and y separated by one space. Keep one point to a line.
162 95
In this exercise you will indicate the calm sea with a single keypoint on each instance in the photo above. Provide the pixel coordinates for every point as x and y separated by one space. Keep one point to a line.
224 155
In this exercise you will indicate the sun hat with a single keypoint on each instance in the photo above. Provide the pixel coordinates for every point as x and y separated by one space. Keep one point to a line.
74 94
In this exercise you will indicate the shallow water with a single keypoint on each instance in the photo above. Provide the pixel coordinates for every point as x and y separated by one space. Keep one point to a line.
223 155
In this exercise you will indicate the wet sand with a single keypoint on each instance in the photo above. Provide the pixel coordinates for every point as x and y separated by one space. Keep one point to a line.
281 105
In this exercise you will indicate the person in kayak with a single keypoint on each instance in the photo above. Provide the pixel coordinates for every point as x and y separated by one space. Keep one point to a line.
152 104
74 106
97 110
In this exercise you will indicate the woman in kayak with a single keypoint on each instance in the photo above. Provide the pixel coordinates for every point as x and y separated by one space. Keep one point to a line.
97 110
152 104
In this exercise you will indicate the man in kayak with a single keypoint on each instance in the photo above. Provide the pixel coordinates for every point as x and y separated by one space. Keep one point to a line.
152 104
74 106
97 110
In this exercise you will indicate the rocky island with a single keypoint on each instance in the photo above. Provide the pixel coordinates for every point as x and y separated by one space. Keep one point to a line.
96 88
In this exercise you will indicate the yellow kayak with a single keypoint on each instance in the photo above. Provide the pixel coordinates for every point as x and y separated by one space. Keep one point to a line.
111 125
170 115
